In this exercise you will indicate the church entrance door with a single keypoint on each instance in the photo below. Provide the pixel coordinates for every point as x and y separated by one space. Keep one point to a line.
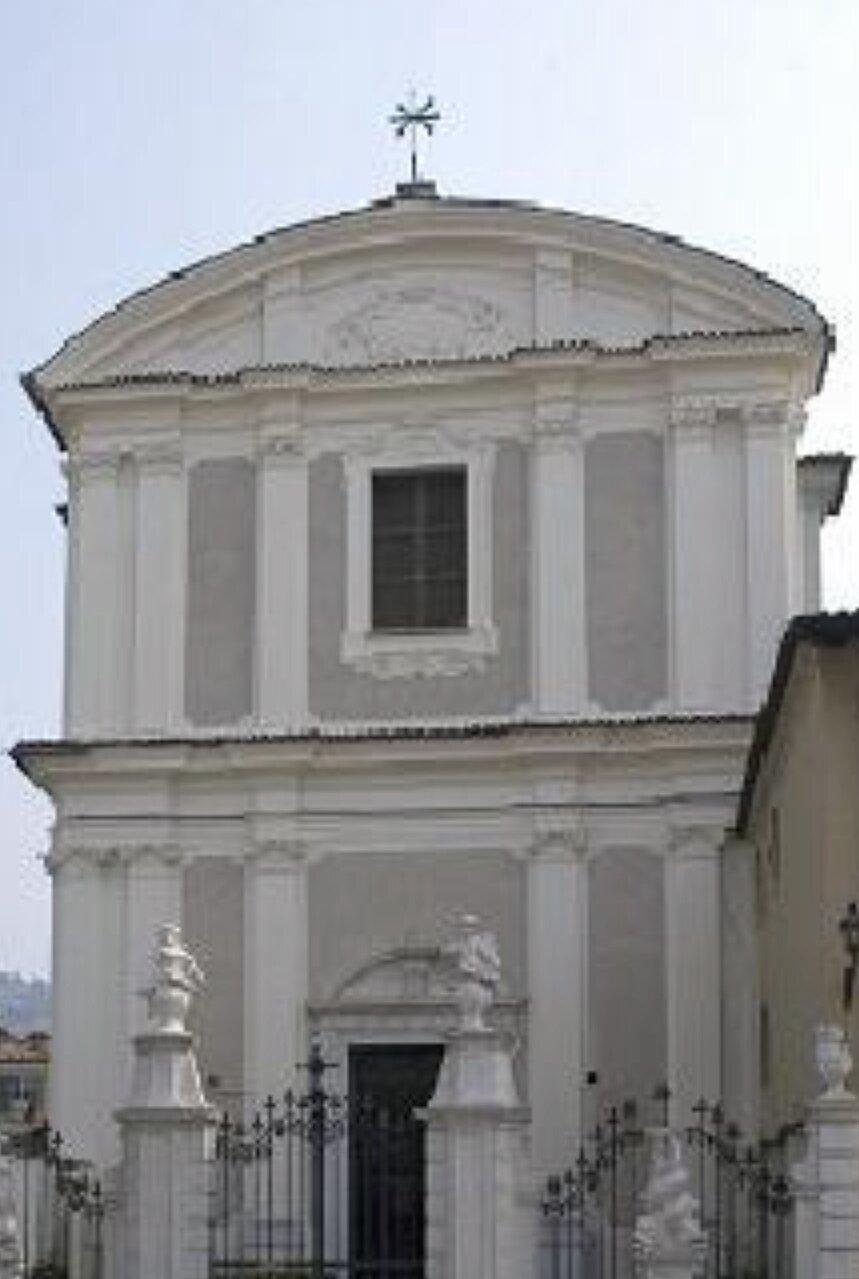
386 1157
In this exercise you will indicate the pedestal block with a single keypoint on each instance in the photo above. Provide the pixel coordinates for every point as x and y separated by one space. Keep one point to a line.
479 1222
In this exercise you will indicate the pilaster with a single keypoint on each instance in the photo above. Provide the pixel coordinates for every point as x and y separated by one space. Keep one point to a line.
559 664
282 629
557 932
692 963
85 1054
693 424
159 586
93 658
275 967
770 534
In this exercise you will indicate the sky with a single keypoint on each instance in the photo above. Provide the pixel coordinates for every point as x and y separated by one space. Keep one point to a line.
135 138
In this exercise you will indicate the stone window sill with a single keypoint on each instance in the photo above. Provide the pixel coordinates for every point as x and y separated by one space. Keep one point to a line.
420 654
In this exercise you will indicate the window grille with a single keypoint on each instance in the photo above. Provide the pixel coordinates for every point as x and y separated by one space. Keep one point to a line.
420 579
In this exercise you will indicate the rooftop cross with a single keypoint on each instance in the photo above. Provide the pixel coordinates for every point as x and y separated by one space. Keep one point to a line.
408 116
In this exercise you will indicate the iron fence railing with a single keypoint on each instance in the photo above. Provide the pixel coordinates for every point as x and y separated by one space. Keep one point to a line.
318 1184
588 1211
61 1206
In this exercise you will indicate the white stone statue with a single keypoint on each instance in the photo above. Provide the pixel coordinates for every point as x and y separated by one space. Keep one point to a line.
834 1061
11 1265
669 1231
176 978
476 970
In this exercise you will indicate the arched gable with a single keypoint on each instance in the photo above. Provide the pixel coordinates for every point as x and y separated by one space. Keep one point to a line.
425 279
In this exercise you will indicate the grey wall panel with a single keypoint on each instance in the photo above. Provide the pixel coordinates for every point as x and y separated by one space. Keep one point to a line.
627 999
340 692
364 904
213 929
626 571
219 633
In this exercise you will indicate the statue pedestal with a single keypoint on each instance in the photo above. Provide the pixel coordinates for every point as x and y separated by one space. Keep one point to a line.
478 1223
168 1134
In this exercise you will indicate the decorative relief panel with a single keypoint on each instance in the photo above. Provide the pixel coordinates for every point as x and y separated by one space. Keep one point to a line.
416 322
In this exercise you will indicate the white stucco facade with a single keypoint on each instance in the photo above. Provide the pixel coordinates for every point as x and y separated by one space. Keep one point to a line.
312 800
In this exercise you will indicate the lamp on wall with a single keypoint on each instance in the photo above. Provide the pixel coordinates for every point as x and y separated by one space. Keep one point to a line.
848 926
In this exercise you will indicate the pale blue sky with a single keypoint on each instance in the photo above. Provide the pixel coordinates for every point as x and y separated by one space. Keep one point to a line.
137 137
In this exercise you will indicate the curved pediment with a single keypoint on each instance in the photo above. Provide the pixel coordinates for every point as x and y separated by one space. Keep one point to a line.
427 280
405 975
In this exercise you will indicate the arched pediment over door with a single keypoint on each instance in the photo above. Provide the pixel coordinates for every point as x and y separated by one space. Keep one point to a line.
401 996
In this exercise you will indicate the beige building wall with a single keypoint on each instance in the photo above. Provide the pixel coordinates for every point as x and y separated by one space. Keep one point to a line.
803 837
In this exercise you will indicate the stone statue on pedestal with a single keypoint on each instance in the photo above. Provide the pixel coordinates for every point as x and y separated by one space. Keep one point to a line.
177 977
476 970
668 1236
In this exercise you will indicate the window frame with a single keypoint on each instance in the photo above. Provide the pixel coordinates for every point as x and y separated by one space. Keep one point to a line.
408 653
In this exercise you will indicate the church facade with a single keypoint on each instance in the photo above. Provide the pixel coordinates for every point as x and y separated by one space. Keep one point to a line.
423 559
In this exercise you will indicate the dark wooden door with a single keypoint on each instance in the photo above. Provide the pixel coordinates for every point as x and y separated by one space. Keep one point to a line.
386 1157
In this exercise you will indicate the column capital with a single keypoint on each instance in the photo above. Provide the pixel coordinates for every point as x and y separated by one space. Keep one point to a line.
557 425
559 844
767 417
693 415
276 854
282 444
92 464
160 456
692 835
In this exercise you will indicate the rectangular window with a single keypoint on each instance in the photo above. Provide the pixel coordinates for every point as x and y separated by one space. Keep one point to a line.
420 561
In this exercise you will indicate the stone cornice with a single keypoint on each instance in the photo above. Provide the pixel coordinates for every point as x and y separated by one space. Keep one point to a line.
694 413
592 755
561 358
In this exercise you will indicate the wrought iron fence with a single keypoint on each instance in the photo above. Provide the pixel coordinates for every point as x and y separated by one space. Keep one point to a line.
60 1206
588 1212
318 1184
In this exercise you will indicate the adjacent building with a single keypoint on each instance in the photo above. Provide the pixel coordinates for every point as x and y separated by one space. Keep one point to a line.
24 1065
425 558
798 859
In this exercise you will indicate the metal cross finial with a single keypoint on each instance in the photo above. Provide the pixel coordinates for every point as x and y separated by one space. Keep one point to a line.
408 116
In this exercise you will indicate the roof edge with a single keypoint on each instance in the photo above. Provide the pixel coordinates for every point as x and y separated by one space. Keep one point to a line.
489 729
691 344
825 630
392 204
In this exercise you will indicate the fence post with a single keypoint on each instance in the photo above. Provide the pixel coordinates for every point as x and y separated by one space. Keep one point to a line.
11 1257
167 1133
478 1222
826 1180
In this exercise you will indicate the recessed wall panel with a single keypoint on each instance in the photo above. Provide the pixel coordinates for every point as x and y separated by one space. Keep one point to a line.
625 566
221 591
